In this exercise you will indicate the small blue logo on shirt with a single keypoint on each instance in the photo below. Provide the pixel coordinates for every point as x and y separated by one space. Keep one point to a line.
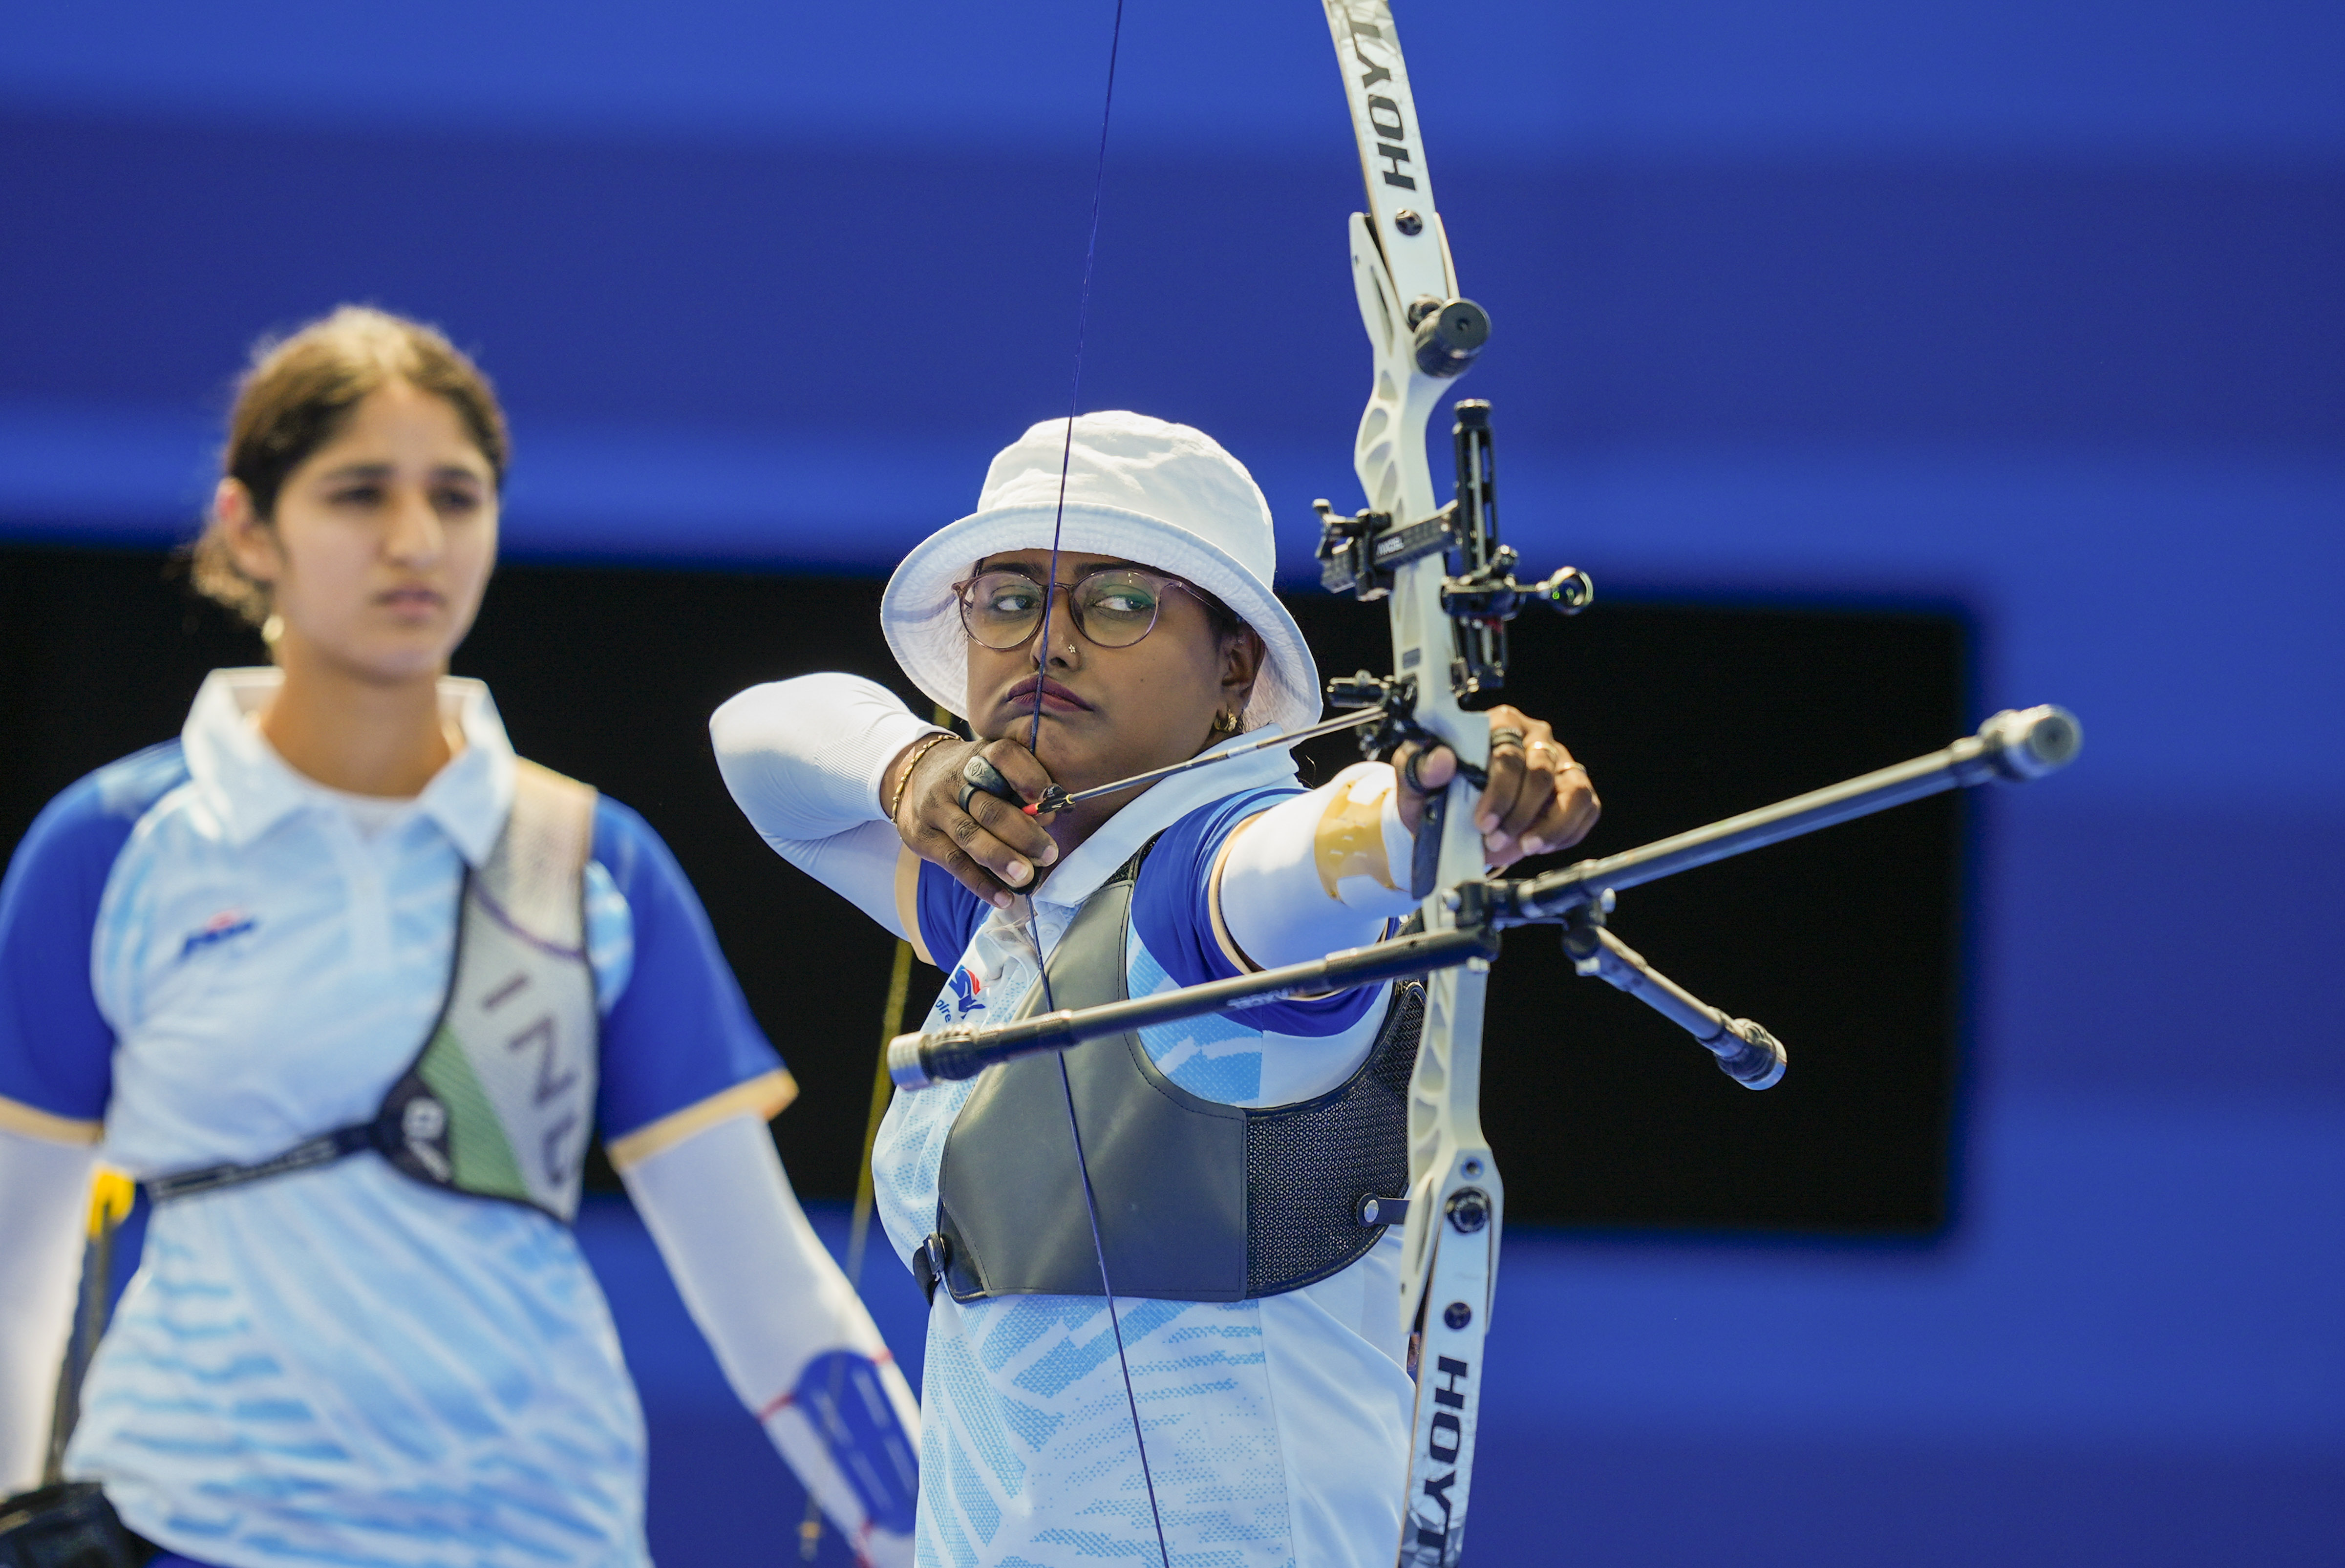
220 927
968 994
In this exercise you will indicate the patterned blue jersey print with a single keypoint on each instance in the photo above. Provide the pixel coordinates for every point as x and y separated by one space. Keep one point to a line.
841 1394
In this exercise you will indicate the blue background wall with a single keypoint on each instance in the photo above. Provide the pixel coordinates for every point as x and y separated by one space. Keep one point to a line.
2030 307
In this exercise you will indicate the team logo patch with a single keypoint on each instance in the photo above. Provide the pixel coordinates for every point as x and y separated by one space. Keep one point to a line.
221 927
967 993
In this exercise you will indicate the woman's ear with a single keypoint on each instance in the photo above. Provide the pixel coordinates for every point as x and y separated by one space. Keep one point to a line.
1242 660
251 542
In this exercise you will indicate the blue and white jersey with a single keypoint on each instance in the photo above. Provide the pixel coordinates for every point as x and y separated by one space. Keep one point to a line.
1277 1430
210 958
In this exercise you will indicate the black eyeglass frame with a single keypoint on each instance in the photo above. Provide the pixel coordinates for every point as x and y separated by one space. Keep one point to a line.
1074 610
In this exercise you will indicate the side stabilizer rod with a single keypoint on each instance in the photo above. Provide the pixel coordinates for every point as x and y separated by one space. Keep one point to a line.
2012 746
1746 1053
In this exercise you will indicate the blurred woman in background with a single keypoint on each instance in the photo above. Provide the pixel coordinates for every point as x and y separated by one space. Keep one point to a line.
349 986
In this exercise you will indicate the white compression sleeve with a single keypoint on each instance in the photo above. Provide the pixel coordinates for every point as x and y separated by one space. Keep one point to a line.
43 1195
1318 872
805 759
769 1299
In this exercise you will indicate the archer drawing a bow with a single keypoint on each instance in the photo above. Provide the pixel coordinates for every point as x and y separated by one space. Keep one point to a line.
1449 589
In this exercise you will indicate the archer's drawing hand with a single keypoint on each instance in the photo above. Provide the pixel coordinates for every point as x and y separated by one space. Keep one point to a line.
1538 798
992 848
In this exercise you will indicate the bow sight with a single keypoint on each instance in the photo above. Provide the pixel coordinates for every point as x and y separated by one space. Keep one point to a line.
1363 555
1360 555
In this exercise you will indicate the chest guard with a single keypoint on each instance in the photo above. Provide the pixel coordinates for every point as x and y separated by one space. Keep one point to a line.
499 1101
1198 1202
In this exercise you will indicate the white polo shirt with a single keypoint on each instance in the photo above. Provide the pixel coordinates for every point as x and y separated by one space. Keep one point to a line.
217 958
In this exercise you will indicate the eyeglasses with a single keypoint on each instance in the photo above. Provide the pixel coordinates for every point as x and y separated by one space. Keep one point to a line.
1112 607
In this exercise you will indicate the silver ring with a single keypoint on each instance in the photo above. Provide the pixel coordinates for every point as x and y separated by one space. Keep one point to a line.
1508 737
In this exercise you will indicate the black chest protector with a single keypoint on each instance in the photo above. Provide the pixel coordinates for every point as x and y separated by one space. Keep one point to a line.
1198 1202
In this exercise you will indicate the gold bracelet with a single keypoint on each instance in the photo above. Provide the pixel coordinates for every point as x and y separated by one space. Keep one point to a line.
910 763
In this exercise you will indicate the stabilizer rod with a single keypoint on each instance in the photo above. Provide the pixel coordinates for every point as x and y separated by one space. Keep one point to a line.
2012 745
1745 1052
916 1061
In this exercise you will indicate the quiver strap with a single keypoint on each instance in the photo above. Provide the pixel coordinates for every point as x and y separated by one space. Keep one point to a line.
499 1101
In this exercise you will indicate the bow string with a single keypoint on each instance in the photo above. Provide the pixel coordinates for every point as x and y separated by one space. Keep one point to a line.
1033 744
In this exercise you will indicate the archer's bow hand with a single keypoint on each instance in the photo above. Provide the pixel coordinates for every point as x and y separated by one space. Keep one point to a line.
1538 799
990 846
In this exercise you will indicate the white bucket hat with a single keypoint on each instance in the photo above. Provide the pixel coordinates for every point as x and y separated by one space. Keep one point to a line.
1138 489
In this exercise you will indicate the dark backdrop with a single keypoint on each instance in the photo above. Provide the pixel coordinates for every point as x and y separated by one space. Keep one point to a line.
1846 944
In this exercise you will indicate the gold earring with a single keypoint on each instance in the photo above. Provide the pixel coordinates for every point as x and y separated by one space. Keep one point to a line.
1224 724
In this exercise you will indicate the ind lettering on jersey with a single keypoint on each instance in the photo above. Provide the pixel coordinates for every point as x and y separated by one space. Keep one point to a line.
553 1148
497 998
538 1044
554 1080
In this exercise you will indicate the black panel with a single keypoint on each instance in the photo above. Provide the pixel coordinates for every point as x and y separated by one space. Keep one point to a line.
1843 945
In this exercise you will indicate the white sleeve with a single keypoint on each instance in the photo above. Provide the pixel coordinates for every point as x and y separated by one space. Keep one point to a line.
771 1301
43 1195
805 759
1316 873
